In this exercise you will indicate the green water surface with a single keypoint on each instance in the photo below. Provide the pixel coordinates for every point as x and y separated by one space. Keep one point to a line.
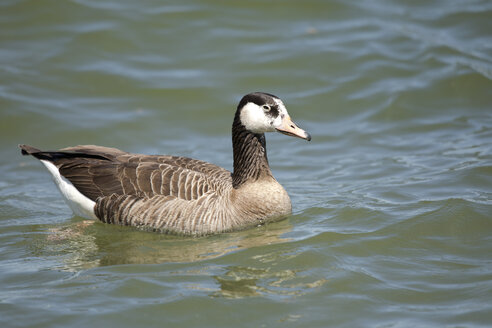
392 199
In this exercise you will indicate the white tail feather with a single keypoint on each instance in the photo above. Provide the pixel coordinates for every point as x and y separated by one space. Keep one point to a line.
80 205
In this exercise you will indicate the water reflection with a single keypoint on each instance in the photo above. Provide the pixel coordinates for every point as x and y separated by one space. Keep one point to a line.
86 244
241 281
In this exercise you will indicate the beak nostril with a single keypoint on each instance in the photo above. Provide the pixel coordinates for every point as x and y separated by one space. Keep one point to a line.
292 126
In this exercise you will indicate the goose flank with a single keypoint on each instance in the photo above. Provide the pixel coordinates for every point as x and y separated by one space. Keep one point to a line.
177 194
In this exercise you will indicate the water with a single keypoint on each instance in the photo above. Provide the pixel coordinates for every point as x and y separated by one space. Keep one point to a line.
392 199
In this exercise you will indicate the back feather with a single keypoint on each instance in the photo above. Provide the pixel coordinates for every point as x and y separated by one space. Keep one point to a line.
102 171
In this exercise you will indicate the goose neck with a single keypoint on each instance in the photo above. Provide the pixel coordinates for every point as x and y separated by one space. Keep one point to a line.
250 156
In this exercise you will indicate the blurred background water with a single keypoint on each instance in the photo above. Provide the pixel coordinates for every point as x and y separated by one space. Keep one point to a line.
392 200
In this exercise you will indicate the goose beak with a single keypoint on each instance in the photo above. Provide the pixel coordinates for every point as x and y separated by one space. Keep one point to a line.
291 129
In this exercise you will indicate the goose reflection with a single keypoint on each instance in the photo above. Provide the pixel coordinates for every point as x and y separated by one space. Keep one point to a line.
86 244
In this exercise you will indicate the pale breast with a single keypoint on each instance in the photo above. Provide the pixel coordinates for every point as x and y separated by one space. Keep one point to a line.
263 200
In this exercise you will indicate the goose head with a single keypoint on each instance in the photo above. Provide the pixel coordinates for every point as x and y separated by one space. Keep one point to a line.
261 112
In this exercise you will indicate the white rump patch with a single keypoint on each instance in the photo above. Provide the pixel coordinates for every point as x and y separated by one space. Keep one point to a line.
80 205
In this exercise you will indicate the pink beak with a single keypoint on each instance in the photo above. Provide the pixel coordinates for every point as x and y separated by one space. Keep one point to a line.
291 129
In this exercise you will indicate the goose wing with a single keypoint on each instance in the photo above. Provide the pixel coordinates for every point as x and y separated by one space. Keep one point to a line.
102 171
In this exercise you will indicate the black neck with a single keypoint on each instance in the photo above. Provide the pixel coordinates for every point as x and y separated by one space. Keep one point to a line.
250 156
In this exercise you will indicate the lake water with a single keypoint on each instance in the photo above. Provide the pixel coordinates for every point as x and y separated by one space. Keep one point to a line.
392 199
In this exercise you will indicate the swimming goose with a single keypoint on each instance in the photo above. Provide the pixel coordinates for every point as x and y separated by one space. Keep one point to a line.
179 194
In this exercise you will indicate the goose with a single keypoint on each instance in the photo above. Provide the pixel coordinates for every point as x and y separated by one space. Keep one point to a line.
175 194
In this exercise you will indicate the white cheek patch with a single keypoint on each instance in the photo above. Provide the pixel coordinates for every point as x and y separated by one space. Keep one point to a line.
254 119
282 112
277 121
281 108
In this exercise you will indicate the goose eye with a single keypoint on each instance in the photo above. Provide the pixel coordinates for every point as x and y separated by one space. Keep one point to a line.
266 108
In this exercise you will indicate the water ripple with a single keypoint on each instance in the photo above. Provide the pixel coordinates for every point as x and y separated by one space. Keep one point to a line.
391 199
